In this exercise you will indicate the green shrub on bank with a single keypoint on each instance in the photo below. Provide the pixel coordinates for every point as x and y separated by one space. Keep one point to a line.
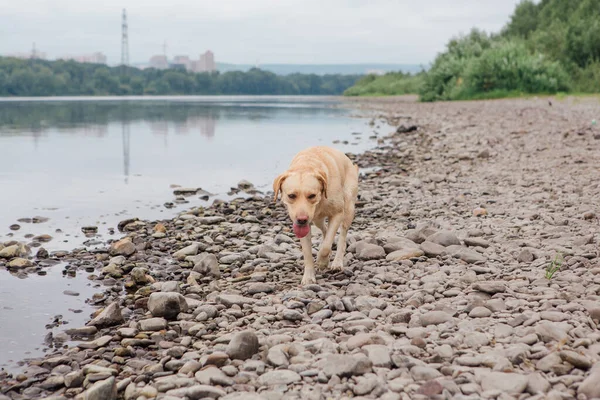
479 66
390 84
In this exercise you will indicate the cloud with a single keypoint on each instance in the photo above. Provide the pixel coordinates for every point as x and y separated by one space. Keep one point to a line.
243 31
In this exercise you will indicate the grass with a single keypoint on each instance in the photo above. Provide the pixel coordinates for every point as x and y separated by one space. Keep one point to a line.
390 84
554 266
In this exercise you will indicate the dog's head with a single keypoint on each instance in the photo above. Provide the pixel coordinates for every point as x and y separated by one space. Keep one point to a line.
301 192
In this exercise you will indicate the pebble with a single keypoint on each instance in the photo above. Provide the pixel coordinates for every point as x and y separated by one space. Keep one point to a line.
243 345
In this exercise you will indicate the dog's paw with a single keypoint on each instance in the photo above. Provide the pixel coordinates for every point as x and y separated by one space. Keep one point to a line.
309 280
323 259
337 265
322 263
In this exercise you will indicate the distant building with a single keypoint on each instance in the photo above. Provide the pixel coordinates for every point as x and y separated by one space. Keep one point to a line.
206 63
182 60
159 62
94 58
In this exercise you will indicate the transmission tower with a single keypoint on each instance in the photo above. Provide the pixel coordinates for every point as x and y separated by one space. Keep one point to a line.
124 40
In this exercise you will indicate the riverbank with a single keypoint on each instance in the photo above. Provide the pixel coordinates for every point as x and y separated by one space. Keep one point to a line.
445 291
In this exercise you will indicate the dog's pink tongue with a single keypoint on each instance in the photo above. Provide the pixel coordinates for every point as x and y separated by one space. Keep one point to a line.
301 231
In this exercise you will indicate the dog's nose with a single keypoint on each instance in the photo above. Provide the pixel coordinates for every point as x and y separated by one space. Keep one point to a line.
302 220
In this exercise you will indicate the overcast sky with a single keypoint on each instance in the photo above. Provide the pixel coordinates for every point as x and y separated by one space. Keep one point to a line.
247 31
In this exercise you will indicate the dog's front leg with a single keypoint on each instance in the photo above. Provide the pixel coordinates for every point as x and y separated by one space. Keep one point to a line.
309 265
325 250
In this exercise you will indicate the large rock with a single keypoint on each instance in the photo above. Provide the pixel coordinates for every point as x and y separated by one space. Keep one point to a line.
344 365
405 254
20 263
123 247
279 377
433 249
510 383
368 251
101 390
206 264
153 324
590 386
435 318
166 304
551 331
15 250
197 392
190 250
399 243
444 238
110 316
243 345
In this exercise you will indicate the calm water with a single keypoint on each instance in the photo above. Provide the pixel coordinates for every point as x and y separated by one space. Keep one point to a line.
85 162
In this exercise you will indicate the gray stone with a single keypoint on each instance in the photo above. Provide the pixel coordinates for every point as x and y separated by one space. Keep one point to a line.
153 324
369 251
213 376
550 331
536 383
197 392
504 382
166 304
123 247
444 238
379 355
424 373
404 254
525 256
101 390
229 300
279 377
243 345
490 287
95 344
277 357
206 264
476 242
480 312
343 365
590 386
435 318
577 360
398 243
431 249
190 250
110 316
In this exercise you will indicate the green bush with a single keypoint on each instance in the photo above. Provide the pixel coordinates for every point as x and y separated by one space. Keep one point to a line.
478 66
509 66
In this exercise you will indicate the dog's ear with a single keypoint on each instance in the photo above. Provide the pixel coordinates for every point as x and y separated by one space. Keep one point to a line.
277 184
321 177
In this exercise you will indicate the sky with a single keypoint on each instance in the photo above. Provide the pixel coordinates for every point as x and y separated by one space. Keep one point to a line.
249 31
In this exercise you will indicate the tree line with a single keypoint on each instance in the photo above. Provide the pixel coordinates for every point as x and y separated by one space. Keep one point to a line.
35 77
547 47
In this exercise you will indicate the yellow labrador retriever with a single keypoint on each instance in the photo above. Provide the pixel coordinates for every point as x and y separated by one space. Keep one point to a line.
320 183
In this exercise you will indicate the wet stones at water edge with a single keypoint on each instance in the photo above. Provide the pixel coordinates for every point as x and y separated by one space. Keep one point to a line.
436 300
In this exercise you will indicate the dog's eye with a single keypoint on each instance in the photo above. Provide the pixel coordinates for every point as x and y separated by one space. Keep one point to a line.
292 196
311 196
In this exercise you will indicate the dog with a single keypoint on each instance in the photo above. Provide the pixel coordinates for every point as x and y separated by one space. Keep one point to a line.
320 183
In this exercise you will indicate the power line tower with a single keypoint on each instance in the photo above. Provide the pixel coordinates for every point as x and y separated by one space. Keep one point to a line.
124 41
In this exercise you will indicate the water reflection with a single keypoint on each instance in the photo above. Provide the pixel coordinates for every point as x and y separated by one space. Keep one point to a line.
84 159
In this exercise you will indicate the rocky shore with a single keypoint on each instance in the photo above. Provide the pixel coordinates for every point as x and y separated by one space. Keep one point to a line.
449 288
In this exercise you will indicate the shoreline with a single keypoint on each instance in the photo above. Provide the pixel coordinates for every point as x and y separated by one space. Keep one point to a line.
437 282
